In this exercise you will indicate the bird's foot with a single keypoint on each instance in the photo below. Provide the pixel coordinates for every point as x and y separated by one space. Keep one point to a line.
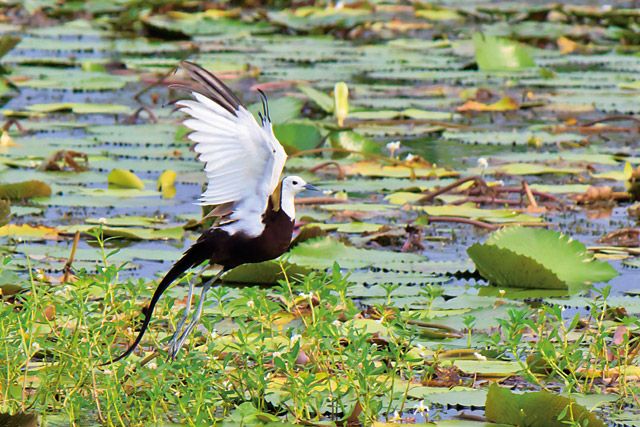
181 334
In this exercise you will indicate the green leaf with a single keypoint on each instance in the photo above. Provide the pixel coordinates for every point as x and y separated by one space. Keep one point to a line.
80 108
521 257
298 136
536 409
24 190
323 100
281 109
499 54
125 179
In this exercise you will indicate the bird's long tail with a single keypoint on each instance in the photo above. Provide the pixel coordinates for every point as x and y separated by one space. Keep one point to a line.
192 257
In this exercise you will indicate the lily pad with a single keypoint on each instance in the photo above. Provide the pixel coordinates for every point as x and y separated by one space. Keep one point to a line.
549 260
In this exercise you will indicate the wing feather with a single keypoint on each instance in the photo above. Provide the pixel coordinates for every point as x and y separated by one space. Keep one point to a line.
243 160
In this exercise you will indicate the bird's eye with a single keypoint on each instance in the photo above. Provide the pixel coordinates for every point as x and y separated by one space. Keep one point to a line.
295 182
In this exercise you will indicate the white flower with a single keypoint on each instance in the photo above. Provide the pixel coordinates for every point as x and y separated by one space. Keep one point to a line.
152 365
306 296
102 220
35 346
295 338
336 323
479 356
483 163
502 292
276 354
421 408
251 304
393 147
396 417
410 157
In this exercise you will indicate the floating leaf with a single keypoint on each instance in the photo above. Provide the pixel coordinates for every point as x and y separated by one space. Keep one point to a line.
265 273
298 136
28 232
125 179
500 54
24 190
549 260
323 252
536 409
504 104
79 108
323 100
352 141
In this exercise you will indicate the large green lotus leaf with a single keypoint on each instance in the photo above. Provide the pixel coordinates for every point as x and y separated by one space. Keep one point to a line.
323 252
522 257
536 409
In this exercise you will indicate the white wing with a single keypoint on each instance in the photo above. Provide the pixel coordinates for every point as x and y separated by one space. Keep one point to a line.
243 160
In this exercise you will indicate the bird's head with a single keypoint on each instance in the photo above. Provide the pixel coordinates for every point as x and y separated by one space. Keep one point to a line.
292 185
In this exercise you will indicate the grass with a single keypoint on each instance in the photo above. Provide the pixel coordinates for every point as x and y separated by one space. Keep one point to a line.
301 351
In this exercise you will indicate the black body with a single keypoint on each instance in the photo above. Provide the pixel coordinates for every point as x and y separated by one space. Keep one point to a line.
229 251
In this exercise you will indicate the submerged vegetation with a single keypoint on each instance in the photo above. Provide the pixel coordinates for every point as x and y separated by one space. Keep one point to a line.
472 260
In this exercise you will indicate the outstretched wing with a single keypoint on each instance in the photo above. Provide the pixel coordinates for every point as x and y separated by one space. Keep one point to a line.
243 160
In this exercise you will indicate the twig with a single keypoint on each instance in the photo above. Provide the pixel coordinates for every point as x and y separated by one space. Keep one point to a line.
487 199
460 220
529 194
613 118
318 200
432 195
67 265
534 192
136 114
13 122
341 173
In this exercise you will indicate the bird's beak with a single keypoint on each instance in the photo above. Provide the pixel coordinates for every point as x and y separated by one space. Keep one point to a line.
311 187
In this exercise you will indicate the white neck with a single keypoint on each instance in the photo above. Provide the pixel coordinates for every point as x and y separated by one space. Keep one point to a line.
287 204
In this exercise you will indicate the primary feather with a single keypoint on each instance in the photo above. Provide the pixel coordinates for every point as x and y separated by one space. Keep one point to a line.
243 159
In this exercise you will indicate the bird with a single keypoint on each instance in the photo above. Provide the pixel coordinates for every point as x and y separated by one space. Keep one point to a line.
255 209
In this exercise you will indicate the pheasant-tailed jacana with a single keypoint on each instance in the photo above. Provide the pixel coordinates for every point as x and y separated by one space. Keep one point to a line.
243 162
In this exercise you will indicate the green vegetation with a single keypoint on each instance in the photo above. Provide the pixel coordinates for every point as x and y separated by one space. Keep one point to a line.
472 262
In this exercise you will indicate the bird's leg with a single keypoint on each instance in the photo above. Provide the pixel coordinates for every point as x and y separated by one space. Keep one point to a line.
179 337
180 325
